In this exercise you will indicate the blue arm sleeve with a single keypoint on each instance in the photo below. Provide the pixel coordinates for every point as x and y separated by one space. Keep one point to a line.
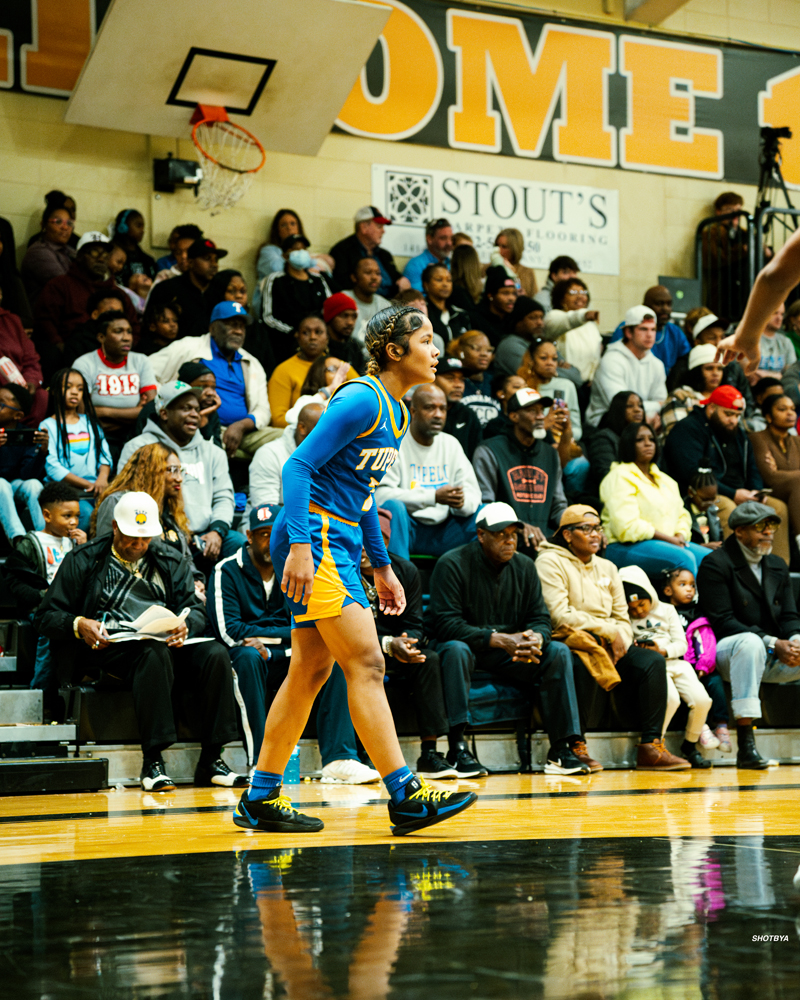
373 538
351 412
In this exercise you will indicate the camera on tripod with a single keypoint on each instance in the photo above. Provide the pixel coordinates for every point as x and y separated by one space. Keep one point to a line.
769 140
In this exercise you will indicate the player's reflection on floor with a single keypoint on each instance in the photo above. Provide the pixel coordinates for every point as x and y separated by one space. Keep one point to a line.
329 945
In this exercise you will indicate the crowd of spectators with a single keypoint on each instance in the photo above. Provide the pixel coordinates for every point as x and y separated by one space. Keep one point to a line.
573 478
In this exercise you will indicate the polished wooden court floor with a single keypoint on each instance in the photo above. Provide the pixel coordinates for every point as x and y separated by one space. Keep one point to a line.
618 885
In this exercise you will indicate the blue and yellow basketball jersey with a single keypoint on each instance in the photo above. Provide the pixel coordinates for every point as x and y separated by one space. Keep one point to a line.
345 483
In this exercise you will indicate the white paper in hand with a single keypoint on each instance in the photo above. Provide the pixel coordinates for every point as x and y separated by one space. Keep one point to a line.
155 623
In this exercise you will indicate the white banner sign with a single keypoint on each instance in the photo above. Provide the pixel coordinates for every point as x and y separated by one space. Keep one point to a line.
554 219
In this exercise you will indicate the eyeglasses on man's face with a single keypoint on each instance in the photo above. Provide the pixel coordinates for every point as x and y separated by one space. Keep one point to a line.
768 524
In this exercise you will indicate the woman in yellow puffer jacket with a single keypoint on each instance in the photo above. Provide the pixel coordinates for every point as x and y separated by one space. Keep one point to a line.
645 521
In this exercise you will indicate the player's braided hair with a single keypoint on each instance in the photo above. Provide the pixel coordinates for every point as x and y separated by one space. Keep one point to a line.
393 325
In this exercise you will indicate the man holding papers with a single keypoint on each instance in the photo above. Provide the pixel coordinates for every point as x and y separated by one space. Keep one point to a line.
114 581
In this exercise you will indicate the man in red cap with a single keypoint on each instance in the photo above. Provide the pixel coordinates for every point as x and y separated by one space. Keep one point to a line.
340 313
711 436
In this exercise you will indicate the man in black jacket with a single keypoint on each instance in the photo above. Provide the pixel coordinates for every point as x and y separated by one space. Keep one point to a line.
186 291
112 581
487 611
711 436
365 242
746 594
401 637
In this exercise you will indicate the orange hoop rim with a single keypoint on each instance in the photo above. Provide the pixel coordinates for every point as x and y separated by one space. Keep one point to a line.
239 128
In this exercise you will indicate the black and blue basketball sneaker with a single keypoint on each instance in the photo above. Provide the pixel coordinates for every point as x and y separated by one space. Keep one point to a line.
275 814
423 806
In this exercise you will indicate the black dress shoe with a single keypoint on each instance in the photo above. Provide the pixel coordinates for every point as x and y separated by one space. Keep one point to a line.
690 752
747 756
217 773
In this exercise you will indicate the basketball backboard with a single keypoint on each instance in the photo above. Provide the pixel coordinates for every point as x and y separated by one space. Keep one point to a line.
282 68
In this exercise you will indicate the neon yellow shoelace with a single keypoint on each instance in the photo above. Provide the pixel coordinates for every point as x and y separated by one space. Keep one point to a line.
428 794
283 802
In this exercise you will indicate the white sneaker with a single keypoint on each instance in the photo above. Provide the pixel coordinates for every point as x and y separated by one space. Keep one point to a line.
348 772
708 740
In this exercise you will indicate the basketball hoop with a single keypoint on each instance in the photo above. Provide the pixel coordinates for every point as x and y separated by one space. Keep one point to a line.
229 156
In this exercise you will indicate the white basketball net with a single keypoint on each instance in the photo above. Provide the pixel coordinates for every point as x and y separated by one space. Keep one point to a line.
230 158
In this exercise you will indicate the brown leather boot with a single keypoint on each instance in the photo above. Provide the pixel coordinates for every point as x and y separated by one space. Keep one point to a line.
655 757
581 751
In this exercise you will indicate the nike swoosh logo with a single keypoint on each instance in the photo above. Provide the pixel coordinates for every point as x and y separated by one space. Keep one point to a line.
247 816
459 426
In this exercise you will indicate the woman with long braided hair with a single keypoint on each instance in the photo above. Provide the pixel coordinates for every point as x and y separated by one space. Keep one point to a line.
328 515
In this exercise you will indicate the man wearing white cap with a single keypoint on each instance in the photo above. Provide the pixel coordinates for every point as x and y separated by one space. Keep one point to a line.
113 580
369 224
630 366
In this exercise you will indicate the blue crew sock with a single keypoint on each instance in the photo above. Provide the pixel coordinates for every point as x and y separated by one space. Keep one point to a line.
262 784
396 783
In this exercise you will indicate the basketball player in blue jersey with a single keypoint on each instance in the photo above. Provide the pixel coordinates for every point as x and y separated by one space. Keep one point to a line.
328 512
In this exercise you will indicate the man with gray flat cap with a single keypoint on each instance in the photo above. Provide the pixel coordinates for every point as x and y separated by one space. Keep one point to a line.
746 594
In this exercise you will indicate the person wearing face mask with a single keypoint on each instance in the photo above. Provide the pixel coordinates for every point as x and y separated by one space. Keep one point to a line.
286 298
523 469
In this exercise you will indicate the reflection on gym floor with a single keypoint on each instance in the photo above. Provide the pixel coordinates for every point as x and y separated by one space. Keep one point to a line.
655 917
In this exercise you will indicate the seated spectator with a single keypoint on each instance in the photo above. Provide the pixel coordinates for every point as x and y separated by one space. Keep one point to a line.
185 294
160 328
510 246
50 255
226 286
21 462
703 376
777 454
584 594
573 326
465 270
462 421
492 315
406 656
523 469
701 502
266 481
431 490
111 581
439 240
324 377
366 279
671 343
447 319
777 350
289 296
77 452
32 566
746 594
270 256
120 380
764 388
365 242
656 626
709 329
286 383
207 488
561 269
711 437
340 315
199 376
62 308
184 237
603 445
487 612
156 471
503 388
539 368
630 364
17 347
13 296
129 233
644 518
246 606
526 323
241 382
476 353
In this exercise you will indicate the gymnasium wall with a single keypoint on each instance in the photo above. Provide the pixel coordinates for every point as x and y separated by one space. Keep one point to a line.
109 170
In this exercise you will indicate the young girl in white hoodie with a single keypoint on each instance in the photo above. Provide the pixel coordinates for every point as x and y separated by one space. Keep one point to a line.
656 625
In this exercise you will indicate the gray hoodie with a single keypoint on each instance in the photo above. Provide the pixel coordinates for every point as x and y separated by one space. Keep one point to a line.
207 486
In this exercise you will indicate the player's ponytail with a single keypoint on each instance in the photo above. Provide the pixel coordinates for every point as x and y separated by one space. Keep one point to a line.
390 326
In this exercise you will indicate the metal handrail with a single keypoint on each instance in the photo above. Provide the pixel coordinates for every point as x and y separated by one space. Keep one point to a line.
762 215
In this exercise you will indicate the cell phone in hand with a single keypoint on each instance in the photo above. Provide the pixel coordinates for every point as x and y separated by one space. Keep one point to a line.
20 436
558 399
764 493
